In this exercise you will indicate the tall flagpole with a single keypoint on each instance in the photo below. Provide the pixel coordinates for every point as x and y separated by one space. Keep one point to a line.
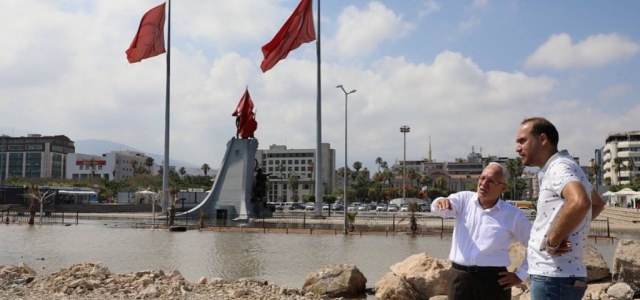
165 165
319 186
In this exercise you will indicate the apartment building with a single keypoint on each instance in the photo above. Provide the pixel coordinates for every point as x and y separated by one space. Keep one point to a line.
621 157
34 156
115 165
282 164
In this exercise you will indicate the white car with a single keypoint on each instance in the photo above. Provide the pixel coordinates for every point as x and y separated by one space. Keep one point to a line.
381 207
530 213
310 206
392 207
404 207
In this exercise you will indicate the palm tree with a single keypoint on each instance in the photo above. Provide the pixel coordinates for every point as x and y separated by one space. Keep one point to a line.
595 169
631 166
281 168
441 183
356 166
205 168
379 162
425 180
183 171
134 165
617 163
149 163
413 175
293 182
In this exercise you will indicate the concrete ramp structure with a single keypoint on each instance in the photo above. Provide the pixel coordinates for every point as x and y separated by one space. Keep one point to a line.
231 193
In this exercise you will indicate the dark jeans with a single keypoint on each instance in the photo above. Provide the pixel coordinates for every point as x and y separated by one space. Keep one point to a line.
476 284
557 288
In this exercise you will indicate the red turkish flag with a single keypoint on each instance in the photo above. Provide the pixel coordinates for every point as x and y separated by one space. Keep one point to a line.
296 31
245 118
149 41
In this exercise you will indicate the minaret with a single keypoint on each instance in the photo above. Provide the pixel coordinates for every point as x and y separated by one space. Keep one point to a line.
430 149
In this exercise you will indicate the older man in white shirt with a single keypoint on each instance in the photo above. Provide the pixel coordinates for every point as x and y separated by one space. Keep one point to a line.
484 228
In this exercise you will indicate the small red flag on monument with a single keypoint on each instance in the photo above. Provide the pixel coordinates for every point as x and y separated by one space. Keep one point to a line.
245 118
149 40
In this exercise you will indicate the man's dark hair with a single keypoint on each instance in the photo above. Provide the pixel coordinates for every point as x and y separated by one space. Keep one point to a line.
541 125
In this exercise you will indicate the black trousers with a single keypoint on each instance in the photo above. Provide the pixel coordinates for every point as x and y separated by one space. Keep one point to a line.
475 283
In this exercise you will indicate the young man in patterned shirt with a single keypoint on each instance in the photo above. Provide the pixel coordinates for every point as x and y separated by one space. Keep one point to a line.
566 205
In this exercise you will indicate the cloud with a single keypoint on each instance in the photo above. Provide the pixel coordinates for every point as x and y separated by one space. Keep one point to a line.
471 23
613 92
360 32
428 7
558 52
65 72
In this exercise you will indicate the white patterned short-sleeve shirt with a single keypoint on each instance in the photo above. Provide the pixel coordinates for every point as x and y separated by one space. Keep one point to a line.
559 170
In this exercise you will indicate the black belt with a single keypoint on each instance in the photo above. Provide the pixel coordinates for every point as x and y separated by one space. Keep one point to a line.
476 269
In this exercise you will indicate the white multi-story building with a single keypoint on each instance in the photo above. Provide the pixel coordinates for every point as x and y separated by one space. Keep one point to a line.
115 165
621 150
282 163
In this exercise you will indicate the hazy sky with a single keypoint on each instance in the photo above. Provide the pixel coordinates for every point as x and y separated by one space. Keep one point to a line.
464 72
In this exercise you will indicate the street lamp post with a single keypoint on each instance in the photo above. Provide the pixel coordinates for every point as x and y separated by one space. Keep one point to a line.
404 129
344 177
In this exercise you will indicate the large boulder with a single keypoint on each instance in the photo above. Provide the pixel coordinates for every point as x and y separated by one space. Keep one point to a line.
336 281
626 263
597 268
392 287
424 274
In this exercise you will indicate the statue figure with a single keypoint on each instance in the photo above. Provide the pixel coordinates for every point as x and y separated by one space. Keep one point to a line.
260 185
245 117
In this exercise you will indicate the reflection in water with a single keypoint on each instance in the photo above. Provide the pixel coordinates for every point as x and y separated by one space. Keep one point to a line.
284 259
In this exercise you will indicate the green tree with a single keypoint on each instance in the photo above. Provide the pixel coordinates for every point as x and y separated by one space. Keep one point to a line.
617 163
149 163
183 171
379 162
281 168
413 175
631 166
205 168
293 183
516 185
595 169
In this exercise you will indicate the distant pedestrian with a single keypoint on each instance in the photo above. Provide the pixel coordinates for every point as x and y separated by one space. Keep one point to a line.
565 209
485 226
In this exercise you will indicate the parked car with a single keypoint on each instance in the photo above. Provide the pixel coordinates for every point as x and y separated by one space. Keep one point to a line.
392 207
325 206
338 206
352 207
404 207
310 206
296 205
363 207
530 213
424 207
381 207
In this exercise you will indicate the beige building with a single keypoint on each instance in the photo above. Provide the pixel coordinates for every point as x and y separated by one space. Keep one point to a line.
282 163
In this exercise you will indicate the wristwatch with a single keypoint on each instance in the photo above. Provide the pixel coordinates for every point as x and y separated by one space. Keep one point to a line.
549 247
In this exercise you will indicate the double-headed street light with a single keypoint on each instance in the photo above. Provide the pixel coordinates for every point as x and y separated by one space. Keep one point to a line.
344 196
404 129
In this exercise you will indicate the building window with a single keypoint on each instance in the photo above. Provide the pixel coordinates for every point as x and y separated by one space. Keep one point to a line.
296 162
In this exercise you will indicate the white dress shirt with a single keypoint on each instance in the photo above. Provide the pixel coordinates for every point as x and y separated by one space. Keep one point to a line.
481 237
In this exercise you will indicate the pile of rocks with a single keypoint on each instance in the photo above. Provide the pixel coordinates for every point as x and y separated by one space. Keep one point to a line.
95 281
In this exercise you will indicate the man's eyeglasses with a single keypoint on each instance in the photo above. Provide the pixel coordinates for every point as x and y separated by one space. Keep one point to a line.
490 180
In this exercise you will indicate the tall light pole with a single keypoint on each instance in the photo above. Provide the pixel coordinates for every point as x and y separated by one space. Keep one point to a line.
404 129
344 177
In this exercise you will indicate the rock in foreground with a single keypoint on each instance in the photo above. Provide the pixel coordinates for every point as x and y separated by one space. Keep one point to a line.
95 281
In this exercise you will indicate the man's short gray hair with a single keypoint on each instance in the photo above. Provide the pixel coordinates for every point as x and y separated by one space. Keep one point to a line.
505 172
